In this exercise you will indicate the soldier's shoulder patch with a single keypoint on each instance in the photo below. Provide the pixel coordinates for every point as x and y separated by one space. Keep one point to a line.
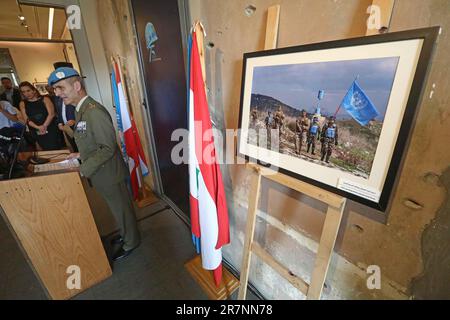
91 105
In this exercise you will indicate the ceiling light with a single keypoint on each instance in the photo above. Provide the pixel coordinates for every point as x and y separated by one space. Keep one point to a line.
21 18
14 78
50 22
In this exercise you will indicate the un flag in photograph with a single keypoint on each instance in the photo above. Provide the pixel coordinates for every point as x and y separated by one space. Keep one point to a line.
358 105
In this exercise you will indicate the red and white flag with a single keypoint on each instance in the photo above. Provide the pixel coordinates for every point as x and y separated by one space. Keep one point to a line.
209 214
131 140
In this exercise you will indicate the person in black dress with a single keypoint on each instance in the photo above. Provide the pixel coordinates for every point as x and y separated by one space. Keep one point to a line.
39 114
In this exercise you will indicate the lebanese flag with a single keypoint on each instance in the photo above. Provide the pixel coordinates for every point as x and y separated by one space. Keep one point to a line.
209 214
131 140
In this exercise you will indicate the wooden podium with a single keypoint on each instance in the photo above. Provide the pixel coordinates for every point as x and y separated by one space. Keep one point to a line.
49 215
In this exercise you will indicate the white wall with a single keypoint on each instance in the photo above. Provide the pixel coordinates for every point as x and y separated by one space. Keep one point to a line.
72 56
34 60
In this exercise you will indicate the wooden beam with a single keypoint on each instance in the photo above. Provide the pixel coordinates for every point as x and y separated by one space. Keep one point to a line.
326 246
386 8
297 282
249 233
273 19
300 186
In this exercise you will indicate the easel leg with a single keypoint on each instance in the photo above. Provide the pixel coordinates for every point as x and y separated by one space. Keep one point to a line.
249 232
326 246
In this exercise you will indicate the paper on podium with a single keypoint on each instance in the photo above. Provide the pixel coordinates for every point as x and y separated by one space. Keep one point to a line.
56 166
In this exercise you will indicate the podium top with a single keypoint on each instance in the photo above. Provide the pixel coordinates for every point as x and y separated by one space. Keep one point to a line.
57 163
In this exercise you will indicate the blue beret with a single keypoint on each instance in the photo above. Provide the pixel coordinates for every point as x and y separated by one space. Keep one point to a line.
61 74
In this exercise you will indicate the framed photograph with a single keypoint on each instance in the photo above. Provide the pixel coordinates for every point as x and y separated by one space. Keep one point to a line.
336 114
40 86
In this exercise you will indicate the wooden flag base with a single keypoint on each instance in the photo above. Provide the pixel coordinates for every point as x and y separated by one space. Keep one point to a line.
205 279
146 197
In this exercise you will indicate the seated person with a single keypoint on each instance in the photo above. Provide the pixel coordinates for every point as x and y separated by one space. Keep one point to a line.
11 94
8 115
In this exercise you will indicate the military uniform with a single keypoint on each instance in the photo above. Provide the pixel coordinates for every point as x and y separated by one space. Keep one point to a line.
254 116
313 135
279 121
270 124
102 163
329 139
301 132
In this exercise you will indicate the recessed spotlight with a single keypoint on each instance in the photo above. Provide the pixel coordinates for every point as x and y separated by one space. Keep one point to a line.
21 18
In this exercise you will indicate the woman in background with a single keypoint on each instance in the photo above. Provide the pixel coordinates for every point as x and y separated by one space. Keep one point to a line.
39 114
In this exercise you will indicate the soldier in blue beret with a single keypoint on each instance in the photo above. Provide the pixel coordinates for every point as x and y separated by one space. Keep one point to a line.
101 160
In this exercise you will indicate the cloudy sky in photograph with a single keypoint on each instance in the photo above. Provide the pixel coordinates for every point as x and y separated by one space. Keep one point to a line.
297 85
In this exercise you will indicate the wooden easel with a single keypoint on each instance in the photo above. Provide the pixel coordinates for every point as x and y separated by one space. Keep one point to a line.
336 204
386 7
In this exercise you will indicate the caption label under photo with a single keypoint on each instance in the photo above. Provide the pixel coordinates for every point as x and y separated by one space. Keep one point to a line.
359 190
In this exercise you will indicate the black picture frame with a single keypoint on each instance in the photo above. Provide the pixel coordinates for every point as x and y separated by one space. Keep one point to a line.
393 167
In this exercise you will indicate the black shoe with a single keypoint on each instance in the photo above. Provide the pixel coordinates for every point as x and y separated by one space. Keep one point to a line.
117 240
121 254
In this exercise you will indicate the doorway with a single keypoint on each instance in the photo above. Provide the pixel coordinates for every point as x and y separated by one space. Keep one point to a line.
32 39
160 38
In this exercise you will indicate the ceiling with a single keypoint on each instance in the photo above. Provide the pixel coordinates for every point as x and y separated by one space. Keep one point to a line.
36 18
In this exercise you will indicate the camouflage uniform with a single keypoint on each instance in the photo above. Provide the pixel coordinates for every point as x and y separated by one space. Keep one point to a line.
270 124
279 121
313 135
254 116
329 139
301 131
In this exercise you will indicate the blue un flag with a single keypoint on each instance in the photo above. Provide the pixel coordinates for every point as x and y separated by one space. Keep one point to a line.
358 105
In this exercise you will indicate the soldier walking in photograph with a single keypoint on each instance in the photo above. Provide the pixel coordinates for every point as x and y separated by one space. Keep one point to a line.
313 135
329 139
254 118
270 124
279 121
301 131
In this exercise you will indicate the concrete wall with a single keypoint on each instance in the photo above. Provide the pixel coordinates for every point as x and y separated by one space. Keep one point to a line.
289 224
114 21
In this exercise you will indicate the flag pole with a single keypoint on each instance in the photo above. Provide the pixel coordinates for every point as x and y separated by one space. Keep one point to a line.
145 197
117 110
200 34
218 283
